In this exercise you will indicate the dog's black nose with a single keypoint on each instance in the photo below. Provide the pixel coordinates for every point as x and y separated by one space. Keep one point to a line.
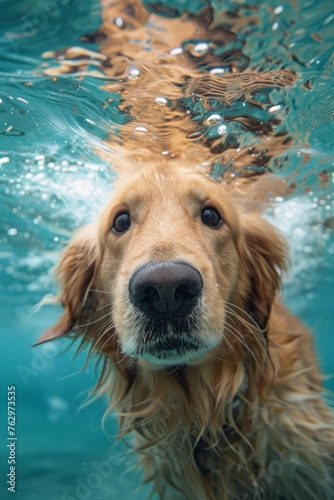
167 289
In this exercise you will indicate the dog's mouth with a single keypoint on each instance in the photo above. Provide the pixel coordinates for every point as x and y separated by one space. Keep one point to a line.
169 350
170 353
164 339
169 342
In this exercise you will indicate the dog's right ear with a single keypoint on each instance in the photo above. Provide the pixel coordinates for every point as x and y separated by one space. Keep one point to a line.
76 274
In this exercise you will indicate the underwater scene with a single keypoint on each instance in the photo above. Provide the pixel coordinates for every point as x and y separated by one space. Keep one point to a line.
246 87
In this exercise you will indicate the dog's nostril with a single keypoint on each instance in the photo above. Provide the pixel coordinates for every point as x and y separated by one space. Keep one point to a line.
149 294
187 290
165 288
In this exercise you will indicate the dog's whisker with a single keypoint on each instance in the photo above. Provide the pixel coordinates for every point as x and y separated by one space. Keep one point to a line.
98 291
104 306
108 321
229 307
107 325
252 320
236 335
83 325
249 331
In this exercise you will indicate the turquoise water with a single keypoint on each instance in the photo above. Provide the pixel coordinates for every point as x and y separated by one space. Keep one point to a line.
52 182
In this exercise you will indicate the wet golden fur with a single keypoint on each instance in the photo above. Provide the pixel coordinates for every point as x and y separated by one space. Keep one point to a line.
247 418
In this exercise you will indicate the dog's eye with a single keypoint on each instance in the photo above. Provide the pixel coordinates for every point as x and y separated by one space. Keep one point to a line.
122 223
210 217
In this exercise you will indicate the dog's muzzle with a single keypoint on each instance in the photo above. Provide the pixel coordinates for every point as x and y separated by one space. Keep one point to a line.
166 289
167 299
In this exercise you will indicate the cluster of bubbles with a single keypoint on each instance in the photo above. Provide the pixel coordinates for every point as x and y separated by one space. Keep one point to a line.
44 200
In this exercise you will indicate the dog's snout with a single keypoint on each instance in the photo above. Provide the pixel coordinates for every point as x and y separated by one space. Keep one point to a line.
166 289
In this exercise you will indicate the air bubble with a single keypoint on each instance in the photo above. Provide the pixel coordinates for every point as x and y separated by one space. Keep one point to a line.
222 129
119 22
176 52
134 73
12 231
273 109
161 100
200 49
278 9
217 71
141 130
213 120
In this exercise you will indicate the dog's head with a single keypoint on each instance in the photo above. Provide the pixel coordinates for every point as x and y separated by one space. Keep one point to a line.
172 271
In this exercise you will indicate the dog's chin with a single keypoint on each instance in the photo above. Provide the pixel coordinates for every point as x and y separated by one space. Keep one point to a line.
173 358
168 353
163 342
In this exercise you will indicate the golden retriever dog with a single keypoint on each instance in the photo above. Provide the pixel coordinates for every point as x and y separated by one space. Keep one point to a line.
176 286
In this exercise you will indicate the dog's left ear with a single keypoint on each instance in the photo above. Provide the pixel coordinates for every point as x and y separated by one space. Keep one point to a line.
76 273
263 253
